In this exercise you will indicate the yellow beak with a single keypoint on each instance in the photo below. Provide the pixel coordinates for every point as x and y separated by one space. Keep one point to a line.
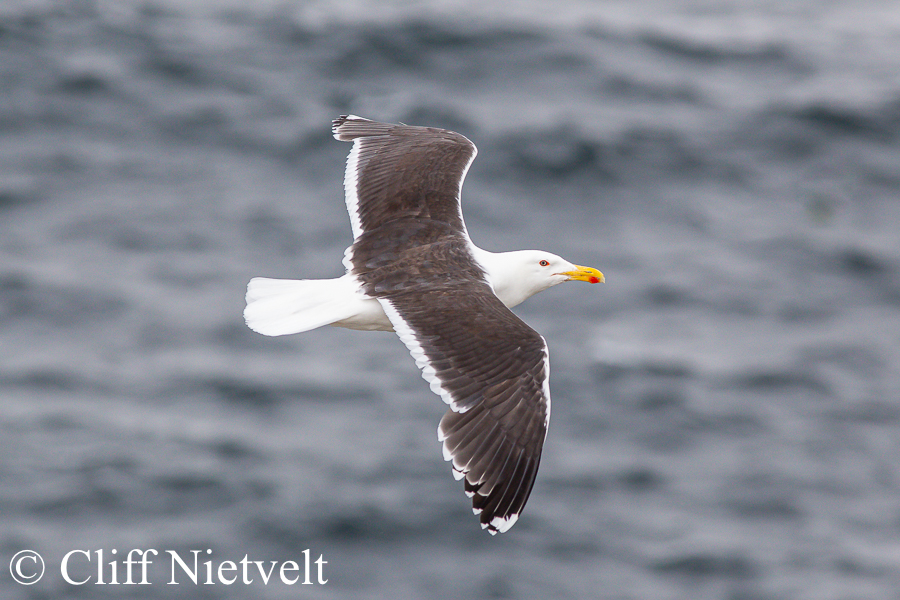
589 274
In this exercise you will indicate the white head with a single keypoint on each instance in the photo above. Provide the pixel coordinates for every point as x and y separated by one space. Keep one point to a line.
516 276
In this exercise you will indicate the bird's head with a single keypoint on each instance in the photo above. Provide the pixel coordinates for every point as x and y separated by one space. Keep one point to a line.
526 272
553 269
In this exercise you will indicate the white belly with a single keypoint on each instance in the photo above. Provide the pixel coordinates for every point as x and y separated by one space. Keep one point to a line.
369 317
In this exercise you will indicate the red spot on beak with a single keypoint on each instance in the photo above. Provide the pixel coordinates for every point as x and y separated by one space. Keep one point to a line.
594 280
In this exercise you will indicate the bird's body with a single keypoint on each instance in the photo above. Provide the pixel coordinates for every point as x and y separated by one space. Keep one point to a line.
272 311
413 269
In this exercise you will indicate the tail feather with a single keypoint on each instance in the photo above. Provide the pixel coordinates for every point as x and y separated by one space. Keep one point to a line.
285 306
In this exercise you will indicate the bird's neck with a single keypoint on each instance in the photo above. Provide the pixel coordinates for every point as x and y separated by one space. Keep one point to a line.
507 286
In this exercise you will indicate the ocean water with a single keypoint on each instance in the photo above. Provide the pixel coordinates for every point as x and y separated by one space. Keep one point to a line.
726 408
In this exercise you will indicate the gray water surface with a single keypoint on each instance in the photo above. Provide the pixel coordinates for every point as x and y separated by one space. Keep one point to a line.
726 408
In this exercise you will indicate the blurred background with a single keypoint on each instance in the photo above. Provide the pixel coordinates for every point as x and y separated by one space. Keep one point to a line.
725 408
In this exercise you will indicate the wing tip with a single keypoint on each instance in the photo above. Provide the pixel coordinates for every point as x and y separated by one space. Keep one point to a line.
500 524
339 127
503 524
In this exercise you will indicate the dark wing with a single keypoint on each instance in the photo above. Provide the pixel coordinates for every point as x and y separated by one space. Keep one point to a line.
488 365
492 370
398 171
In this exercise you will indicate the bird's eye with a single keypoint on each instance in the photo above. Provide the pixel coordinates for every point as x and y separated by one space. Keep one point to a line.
544 263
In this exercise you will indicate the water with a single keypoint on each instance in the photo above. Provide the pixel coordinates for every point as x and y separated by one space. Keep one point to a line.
726 411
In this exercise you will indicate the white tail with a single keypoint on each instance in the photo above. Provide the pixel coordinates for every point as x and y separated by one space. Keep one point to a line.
285 306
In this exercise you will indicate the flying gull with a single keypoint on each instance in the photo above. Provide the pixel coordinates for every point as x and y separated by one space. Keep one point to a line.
412 269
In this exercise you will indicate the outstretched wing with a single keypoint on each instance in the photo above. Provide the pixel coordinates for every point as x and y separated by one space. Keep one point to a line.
400 170
491 368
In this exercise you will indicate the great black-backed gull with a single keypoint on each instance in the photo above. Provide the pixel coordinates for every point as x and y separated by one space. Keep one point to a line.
412 269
